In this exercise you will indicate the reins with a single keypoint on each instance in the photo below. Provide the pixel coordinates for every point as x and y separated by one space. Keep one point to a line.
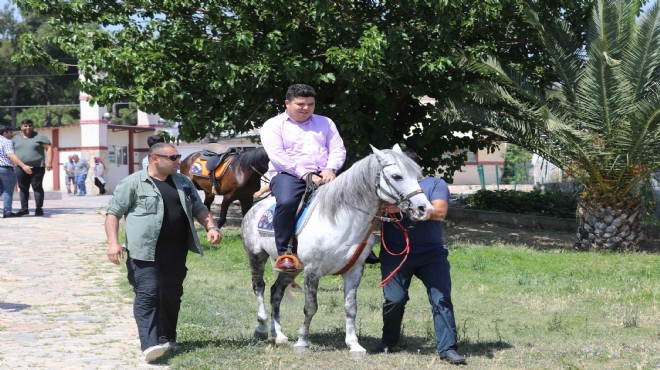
360 248
398 198
405 252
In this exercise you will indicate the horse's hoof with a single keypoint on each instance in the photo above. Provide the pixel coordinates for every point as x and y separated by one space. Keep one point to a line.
301 349
358 355
284 340
260 335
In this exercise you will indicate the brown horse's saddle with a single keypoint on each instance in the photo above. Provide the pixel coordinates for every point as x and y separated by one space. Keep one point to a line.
213 165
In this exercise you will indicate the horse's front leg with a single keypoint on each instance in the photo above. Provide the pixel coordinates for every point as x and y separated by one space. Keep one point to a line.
257 264
311 306
276 294
351 283
208 200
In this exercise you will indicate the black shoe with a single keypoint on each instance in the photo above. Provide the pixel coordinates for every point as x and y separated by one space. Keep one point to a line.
383 348
39 212
13 215
453 357
372 259
23 212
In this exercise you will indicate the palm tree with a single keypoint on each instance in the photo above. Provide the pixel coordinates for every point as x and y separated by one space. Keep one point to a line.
600 122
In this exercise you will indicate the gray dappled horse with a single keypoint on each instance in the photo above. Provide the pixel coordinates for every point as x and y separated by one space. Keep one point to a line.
340 219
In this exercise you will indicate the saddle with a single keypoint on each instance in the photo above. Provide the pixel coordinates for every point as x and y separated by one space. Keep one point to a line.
265 224
212 164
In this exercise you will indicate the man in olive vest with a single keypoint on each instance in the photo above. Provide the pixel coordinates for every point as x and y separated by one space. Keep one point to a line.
36 151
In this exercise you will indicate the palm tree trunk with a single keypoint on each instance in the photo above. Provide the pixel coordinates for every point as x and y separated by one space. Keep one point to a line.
605 223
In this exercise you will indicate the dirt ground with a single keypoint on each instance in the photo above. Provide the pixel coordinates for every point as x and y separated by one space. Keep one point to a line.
493 234
501 234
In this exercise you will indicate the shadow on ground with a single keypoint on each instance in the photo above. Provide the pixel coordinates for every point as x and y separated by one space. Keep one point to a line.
13 307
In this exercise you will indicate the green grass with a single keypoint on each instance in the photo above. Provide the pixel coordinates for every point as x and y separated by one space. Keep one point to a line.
515 308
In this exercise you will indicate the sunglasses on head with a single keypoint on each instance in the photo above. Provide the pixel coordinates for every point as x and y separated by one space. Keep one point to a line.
172 158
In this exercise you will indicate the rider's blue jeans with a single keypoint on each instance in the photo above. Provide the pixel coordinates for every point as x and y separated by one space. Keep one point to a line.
288 191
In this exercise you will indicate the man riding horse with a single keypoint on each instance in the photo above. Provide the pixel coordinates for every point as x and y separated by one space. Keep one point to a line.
299 144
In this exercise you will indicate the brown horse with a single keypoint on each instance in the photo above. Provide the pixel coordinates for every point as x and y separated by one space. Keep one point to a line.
239 182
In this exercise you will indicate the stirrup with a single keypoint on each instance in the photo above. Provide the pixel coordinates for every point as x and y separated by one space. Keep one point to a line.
296 264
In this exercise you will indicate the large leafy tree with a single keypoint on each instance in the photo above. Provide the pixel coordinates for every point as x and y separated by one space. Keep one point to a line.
219 65
29 83
599 122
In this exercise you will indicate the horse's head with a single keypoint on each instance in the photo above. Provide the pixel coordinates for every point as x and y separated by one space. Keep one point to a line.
397 183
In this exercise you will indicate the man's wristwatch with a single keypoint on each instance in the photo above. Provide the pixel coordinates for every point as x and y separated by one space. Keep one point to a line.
213 228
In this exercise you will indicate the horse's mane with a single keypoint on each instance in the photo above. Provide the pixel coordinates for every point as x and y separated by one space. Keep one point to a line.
356 187
256 158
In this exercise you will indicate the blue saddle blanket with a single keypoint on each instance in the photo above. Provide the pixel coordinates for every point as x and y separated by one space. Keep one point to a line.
265 224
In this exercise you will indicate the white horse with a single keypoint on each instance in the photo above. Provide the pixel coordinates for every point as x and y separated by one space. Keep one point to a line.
341 218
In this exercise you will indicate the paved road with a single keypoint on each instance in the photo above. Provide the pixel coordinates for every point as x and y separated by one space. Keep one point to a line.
61 304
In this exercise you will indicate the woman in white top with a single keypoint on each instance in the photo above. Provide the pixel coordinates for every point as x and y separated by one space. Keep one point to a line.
99 168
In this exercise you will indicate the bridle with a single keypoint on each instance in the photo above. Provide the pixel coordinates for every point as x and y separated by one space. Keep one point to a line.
401 200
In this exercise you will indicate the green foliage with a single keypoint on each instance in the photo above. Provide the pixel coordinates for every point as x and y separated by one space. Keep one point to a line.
52 116
536 202
518 158
600 120
127 116
225 65
26 73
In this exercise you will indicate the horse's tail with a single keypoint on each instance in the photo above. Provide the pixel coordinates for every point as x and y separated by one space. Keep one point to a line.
256 159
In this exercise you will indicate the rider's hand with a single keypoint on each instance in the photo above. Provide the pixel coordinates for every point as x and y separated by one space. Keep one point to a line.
327 176
318 180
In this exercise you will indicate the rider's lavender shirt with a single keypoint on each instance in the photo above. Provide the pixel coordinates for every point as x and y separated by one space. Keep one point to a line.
299 148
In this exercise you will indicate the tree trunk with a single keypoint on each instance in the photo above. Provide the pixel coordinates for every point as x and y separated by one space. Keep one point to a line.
605 223
16 83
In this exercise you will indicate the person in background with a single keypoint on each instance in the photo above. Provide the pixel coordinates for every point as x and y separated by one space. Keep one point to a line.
7 174
36 151
265 185
81 169
428 262
70 176
99 169
299 144
160 206
151 140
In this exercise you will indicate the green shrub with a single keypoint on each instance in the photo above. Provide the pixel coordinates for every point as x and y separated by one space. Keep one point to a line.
551 203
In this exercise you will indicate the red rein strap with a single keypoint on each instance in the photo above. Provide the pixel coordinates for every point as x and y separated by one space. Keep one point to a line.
405 251
360 248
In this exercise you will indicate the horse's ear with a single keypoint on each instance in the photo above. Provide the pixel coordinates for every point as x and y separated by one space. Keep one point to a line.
397 149
379 154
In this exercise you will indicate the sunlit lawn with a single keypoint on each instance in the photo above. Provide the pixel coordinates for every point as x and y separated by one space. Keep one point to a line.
515 308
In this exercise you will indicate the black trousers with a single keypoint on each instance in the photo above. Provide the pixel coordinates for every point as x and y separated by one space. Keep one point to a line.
99 185
288 191
158 287
35 180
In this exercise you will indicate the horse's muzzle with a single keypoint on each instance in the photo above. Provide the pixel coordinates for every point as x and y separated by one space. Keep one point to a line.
419 211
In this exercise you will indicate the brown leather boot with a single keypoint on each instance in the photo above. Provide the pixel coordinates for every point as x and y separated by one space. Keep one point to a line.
287 263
